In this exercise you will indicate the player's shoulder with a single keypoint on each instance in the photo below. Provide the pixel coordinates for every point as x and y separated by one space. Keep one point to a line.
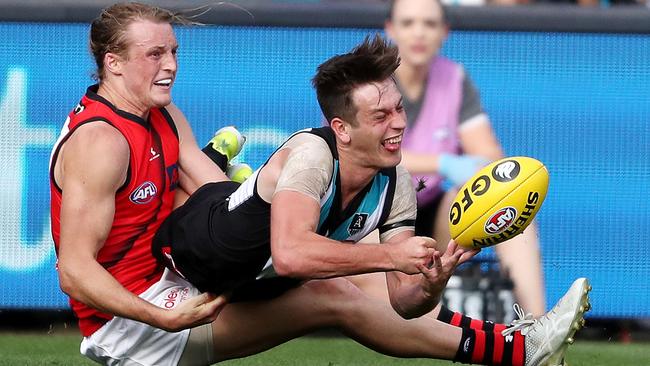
98 152
309 146
97 140
98 132
308 152
308 139
402 175
174 113
404 182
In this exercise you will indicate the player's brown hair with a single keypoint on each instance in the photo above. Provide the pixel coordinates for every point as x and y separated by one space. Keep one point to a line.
374 60
108 30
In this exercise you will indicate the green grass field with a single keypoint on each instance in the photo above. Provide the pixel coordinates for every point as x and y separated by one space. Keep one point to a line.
63 349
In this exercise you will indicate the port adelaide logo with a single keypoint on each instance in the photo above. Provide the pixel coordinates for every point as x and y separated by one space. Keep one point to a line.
144 193
501 220
357 223
506 171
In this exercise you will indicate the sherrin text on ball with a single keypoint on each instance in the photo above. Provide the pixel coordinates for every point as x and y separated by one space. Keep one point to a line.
498 202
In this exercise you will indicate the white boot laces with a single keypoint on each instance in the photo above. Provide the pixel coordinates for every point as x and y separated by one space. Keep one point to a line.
523 323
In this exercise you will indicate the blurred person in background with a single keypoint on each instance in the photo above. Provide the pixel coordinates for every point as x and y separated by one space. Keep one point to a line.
449 138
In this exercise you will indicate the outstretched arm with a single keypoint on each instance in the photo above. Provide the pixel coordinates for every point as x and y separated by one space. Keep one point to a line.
299 252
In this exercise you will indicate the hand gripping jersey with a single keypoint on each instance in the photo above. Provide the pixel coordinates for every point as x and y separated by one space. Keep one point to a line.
220 239
141 204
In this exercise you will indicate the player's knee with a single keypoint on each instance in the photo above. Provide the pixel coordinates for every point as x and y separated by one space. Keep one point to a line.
337 294
336 288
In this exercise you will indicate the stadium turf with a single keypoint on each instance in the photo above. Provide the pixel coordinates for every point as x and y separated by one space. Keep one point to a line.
62 349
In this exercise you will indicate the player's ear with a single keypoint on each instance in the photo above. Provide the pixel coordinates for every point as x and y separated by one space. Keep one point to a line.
113 63
341 129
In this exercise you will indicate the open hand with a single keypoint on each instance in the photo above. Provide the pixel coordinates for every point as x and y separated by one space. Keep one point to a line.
442 266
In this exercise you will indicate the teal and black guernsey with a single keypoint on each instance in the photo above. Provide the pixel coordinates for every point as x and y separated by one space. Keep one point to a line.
220 239
367 211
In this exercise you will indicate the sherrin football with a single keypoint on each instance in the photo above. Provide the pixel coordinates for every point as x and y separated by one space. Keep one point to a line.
498 202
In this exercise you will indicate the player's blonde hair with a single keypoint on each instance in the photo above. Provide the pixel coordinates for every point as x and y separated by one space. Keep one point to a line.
108 30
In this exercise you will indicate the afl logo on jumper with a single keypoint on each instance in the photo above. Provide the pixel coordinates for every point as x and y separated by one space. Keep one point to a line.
506 171
357 223
501 220
144 193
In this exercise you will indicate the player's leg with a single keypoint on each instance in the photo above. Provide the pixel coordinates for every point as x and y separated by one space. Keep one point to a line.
247 328
374 285
223 147
226 143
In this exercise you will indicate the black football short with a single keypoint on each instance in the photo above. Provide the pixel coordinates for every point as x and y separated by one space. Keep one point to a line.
218 250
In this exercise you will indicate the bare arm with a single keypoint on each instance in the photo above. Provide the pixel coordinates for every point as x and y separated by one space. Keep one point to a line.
420 163
93 165
415 295
299 252
478 138
195 168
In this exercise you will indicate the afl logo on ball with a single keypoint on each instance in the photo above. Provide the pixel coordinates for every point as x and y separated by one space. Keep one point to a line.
144 193
501 220
506 171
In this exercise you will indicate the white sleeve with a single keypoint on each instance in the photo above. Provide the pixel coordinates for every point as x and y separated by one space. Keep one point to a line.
404 208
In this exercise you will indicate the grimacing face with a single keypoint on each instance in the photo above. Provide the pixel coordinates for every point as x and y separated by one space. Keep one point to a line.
151 65
418 29
381 121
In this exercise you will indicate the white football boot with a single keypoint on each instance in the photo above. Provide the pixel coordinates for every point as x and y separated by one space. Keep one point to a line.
548 336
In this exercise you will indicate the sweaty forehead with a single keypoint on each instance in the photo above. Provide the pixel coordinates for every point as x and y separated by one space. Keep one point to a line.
147 34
